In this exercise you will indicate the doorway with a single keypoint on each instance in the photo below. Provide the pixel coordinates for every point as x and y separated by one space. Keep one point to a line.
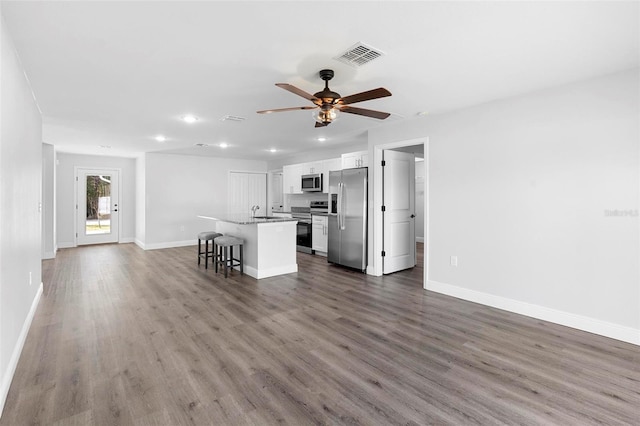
274 192
420 147
398 211
97 206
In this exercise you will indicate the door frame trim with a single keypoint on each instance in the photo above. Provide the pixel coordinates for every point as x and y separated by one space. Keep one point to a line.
76 182
375 205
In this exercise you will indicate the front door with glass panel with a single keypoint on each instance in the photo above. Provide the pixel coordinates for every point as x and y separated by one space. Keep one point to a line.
97 206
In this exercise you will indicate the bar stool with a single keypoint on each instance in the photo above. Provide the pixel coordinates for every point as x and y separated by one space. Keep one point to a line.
206 237
226 242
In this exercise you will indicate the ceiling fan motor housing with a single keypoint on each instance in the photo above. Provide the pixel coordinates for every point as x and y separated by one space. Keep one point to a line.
326 75
327 96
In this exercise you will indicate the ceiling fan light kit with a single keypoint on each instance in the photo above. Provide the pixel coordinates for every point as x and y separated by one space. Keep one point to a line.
329 103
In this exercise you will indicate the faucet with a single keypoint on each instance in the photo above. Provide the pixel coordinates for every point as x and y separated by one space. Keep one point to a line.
253 210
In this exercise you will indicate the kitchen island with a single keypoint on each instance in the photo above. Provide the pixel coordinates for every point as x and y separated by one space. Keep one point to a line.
269 242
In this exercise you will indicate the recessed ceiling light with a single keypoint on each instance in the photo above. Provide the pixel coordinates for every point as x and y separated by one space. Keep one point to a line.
223 145
189 118
321 139
160 138
273 150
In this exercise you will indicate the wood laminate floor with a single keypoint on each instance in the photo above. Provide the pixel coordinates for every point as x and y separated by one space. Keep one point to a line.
126 336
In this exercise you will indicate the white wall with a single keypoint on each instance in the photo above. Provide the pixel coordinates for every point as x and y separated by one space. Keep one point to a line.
181 187
49 246
141 171
20 219
65 194
519 190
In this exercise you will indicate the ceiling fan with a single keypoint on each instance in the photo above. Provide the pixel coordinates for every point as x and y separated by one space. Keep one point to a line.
329 103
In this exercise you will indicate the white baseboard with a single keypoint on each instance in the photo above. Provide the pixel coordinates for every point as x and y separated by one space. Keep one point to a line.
49 255
372 271
269 272
419 239
170 244
17 350
580 322
139 244
71 244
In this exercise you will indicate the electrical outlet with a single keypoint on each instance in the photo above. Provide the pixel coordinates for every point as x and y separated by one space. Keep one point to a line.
454 260
181 228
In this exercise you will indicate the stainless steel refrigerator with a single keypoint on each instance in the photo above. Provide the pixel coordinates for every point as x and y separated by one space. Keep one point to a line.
348 218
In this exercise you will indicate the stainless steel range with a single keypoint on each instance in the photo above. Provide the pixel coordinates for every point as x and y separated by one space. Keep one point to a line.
303 234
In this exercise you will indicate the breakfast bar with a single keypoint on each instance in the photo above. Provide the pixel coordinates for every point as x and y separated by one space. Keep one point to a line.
269 242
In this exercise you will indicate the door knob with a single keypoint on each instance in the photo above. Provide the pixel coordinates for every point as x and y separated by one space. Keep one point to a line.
412 216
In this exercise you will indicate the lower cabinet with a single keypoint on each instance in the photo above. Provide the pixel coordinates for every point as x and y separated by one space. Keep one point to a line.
319 233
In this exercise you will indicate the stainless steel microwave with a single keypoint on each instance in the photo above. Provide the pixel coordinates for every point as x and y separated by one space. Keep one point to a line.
312 183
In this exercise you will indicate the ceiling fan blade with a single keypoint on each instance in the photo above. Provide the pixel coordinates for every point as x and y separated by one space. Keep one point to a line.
380 92
366 112
299 92
321 124
269 111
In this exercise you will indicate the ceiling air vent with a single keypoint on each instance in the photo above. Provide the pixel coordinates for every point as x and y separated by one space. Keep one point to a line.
359 54
232 118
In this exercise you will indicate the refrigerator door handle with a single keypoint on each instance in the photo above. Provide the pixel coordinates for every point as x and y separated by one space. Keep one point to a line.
339 208
342 219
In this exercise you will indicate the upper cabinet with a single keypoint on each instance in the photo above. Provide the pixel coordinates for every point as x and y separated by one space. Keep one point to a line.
291 179
292 174
311 168
355 159
328 166
331 165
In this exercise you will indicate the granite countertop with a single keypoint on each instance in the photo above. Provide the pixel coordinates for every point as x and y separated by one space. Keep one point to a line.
242 219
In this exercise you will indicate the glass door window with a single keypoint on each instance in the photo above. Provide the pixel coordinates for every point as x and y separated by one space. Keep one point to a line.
97 206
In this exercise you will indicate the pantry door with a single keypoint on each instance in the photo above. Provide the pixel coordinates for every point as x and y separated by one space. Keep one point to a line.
398 194
97 206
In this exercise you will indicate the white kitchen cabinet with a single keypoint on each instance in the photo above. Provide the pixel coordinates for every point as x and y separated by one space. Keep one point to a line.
291 177
331 165
328 166
319 233
292 174
355 159
311 168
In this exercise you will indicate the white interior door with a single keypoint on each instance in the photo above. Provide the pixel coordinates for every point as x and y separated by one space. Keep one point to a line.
246 190
275 188
398 195
97 206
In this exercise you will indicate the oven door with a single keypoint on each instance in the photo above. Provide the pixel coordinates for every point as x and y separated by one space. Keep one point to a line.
303 236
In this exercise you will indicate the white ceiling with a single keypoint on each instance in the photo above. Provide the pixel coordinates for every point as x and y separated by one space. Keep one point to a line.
119 73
